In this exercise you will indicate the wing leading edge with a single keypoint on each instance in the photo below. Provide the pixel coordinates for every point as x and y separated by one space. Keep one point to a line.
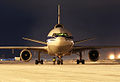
37 41
82 48
25 47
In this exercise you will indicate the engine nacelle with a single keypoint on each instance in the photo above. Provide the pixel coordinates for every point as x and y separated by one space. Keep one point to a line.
25 55
94 55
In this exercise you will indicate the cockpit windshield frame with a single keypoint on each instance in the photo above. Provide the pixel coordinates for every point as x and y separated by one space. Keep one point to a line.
62 35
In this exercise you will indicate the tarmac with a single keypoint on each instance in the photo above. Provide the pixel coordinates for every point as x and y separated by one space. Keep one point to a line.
69 72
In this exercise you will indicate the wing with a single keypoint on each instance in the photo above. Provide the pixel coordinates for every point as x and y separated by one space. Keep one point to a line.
44 48
77 42
40 42
82 48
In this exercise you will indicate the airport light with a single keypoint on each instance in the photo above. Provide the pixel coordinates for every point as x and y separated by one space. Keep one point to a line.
119 56
111 56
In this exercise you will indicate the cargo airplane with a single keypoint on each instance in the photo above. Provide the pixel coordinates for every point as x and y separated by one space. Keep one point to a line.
59 43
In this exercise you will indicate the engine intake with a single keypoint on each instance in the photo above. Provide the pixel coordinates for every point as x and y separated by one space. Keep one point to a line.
25 55
93 55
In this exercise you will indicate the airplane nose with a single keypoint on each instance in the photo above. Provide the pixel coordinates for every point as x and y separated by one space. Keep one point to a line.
61 38
61 41
60 45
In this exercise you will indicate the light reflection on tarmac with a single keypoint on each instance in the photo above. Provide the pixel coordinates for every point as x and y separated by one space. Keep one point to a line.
70 72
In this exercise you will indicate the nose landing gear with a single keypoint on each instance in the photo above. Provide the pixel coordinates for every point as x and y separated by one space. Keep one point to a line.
60 60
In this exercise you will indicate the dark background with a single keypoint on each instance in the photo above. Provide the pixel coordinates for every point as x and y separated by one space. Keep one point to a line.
83 18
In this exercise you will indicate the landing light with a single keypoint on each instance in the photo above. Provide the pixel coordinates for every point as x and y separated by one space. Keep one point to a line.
111 56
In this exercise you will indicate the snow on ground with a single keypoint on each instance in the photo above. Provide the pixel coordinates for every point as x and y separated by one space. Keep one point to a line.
59 73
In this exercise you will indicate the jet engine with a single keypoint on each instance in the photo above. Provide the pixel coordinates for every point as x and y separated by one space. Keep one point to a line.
93 55
25 55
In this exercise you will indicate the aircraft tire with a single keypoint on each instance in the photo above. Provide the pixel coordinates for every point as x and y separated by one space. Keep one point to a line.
41 62
83 61
61 62
78 61
58 62
36 62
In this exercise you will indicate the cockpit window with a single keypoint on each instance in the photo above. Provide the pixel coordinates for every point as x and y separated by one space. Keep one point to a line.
60 35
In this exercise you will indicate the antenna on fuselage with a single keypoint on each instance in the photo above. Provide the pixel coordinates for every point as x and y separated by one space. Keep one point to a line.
58 14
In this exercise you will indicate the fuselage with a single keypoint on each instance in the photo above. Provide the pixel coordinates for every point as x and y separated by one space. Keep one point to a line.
60 41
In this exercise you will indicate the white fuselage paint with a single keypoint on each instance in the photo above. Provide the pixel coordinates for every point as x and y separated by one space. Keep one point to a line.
59 46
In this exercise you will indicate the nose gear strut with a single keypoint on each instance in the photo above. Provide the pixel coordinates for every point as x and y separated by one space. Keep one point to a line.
60 60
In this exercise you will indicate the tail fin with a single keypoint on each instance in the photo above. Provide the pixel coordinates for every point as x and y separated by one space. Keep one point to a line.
58 25
58 14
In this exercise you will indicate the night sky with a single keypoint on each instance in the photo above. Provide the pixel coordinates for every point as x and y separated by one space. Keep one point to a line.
83 18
